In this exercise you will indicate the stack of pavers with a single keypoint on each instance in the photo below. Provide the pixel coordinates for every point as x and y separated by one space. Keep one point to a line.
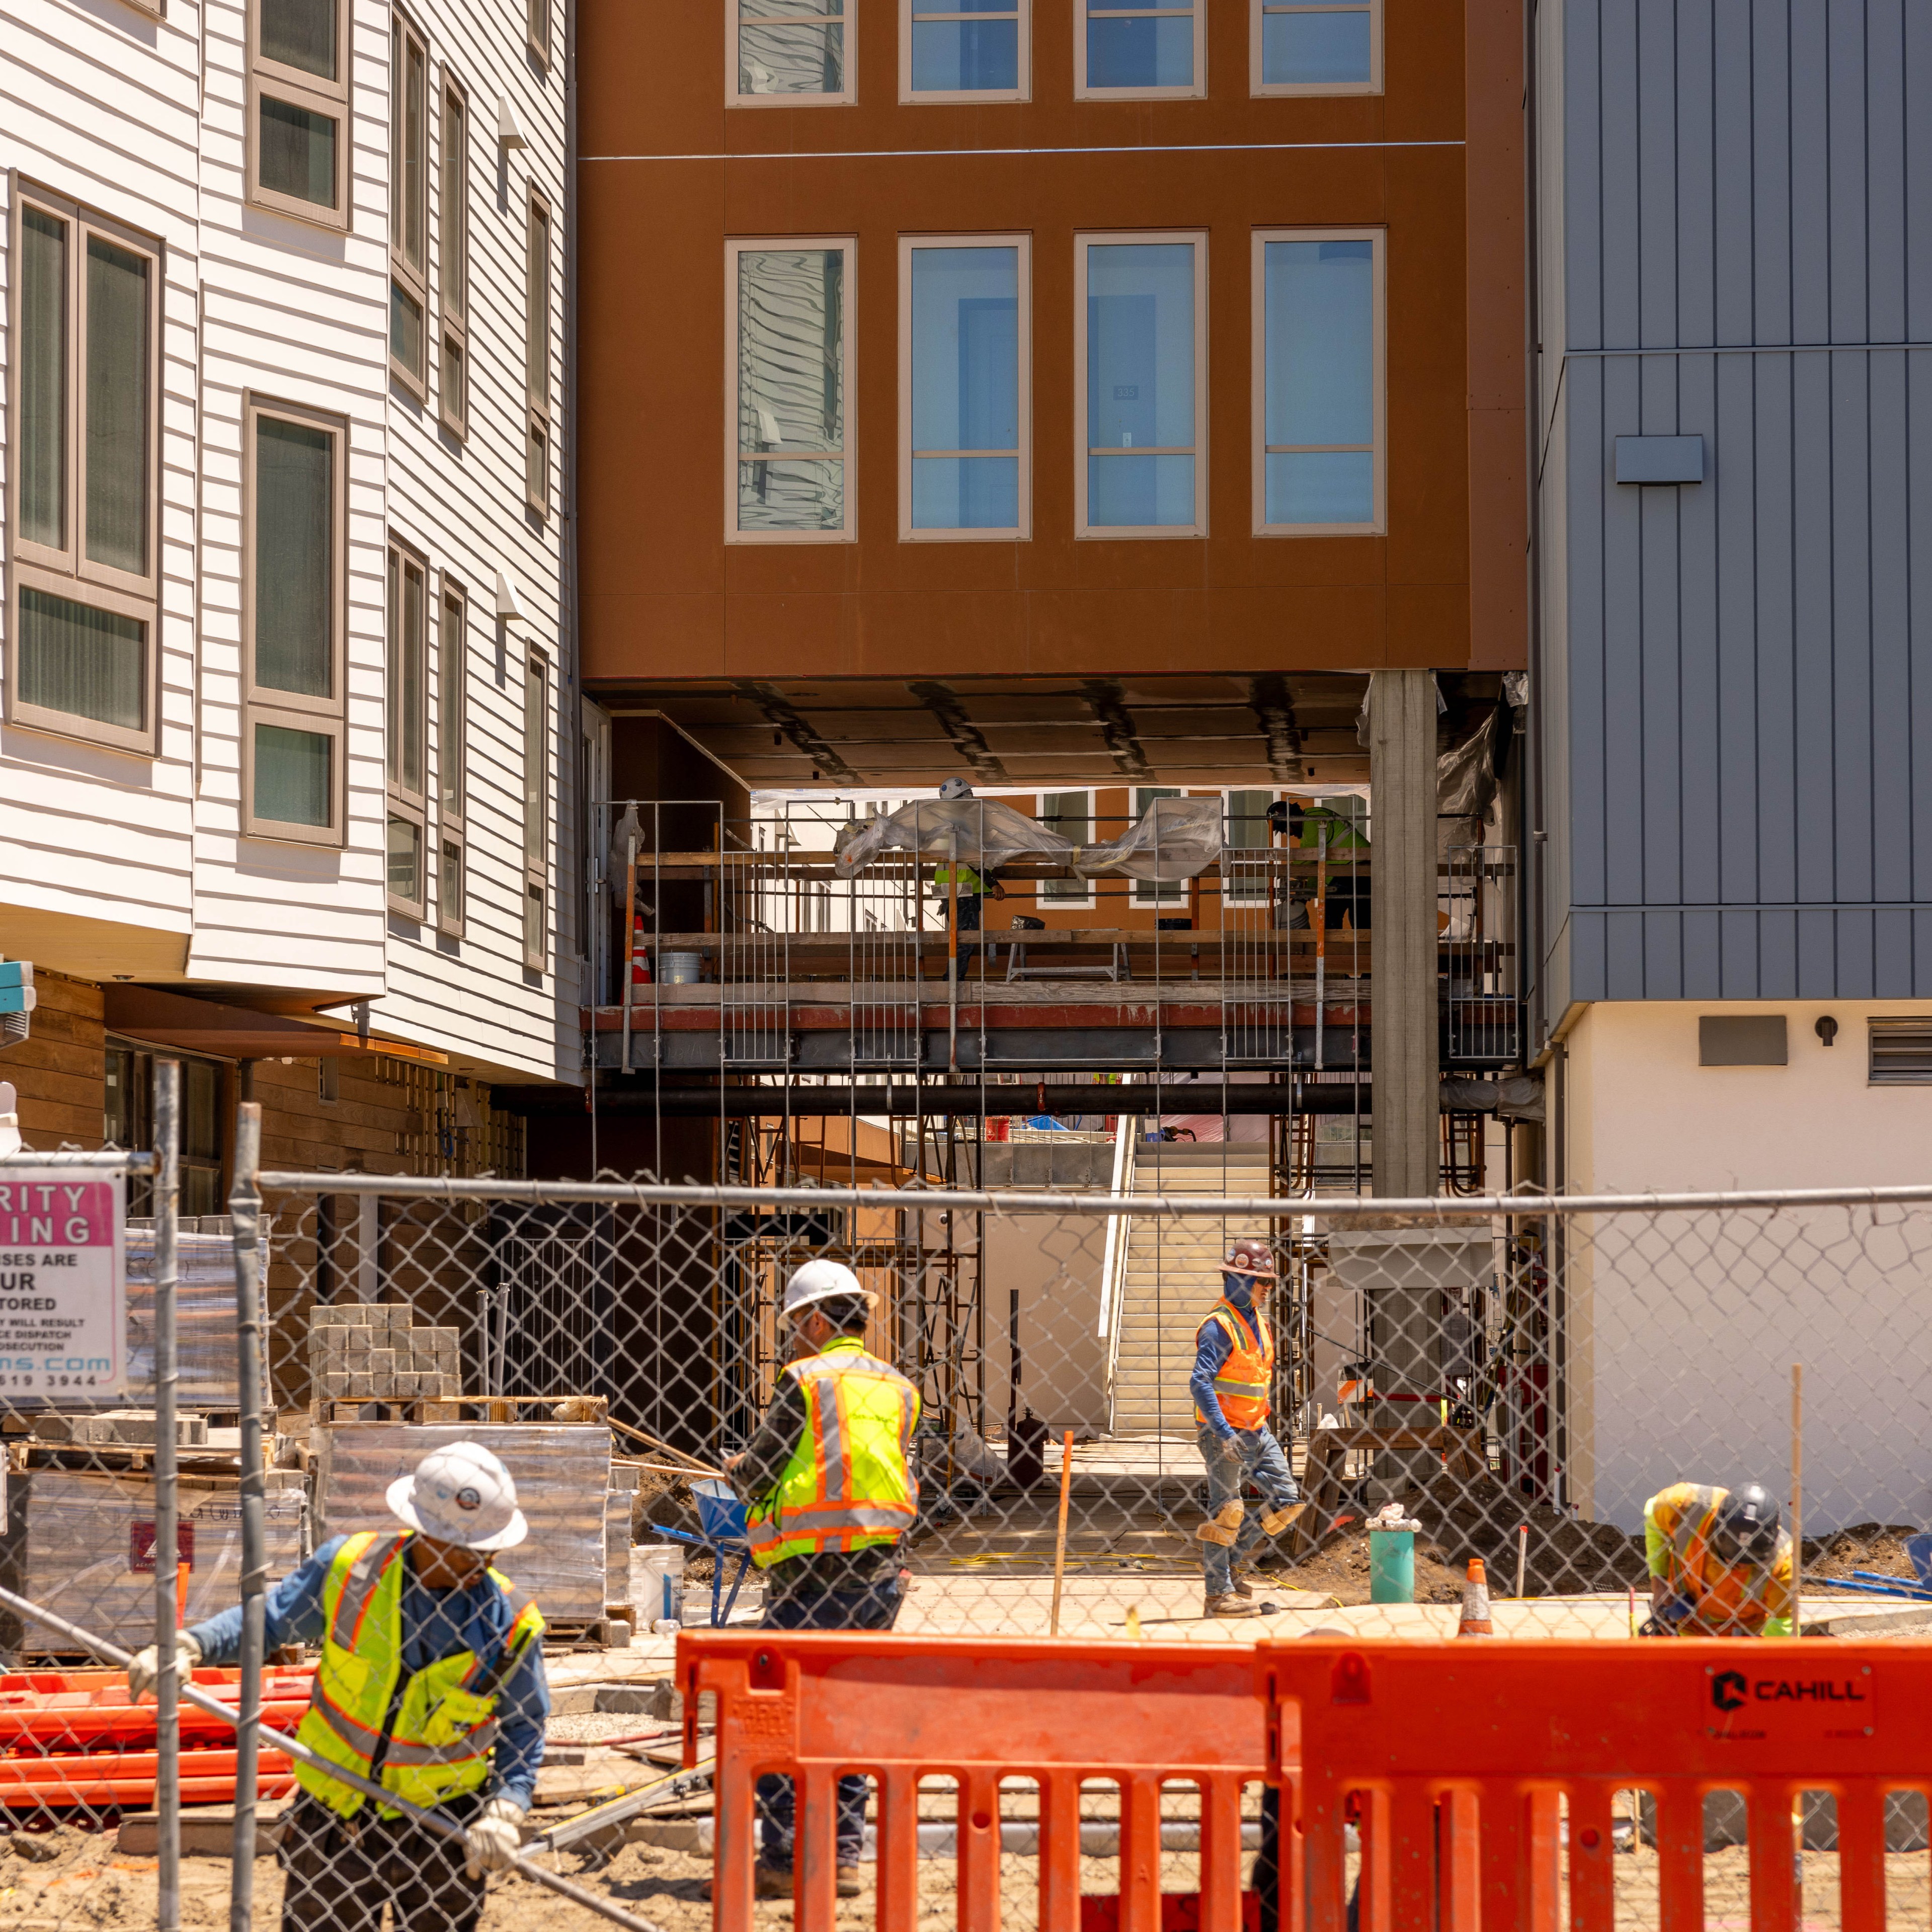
368 1351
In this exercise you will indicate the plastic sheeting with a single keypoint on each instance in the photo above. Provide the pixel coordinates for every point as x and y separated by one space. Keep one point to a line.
562 1471
981 833
73 1538
1176 838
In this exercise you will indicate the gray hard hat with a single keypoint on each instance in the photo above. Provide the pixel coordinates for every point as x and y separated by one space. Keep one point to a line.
1745 1529
954 788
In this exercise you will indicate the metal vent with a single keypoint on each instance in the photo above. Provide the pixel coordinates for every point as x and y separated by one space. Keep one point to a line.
1901 1053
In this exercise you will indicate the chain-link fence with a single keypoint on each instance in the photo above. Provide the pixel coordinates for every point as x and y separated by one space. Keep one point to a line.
1117 1440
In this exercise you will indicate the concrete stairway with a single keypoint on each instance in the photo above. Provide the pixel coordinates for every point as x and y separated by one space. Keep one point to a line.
1173 1277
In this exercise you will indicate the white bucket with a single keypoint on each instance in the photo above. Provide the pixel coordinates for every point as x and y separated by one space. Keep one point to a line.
657 1582
682 969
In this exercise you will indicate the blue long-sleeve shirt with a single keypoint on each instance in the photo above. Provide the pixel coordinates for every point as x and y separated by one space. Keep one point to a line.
1213 1350
435 1623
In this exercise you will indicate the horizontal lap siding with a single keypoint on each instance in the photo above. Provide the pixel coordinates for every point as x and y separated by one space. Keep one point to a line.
1736 673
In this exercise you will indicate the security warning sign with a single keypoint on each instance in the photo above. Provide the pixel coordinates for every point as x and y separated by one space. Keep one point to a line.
63 1285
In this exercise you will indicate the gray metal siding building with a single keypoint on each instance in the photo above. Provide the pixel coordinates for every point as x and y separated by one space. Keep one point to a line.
1735 675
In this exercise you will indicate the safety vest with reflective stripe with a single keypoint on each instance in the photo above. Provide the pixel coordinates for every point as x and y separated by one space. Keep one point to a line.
445 1725
1731 1599
1243 1382
849 1484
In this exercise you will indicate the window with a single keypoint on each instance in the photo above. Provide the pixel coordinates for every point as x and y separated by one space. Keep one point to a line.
453 200
299 109
787 53
965 406
407 724
85 378
1317 382
409 206
1133 52
789 341
128 1121
965 50
1246 878
536 355
536 801
1141 404
1900 1053
1331 46
1152 891
536 27
295 504
451 752
1071 814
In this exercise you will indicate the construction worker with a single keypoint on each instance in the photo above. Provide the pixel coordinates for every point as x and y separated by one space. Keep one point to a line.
431 1684
1234 1372
973 888
1324 831
828 1483
1719 1564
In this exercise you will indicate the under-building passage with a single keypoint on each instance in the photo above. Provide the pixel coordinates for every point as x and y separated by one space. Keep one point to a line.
1138 956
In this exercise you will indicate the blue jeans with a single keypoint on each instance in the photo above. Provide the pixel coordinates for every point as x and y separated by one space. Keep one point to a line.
1250 1455
874 1609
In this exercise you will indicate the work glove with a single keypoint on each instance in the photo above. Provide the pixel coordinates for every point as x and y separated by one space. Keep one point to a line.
495 1837
146 1666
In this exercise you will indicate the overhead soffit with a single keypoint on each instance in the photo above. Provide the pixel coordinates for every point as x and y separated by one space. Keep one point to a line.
1270 729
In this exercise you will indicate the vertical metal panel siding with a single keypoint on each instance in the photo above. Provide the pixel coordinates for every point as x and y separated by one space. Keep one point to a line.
1743 668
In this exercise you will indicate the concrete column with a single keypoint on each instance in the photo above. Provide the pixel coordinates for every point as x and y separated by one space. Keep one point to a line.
1401 781
1408 1132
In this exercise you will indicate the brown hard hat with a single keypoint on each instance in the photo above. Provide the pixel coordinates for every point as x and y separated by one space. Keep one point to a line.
1251 1256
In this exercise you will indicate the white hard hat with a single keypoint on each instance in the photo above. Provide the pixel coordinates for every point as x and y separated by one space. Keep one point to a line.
460 1494
954 788
822 1281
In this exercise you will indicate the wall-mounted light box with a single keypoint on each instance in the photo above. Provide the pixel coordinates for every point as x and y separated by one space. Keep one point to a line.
1660 459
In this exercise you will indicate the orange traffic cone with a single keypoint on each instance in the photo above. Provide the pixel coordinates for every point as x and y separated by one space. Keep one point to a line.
1476 1604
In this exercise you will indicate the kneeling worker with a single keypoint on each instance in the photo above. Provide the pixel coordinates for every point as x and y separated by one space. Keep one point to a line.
828 1479
1720 1565
431 1684
1233 1375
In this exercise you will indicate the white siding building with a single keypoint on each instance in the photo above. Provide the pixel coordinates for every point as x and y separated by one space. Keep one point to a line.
282 634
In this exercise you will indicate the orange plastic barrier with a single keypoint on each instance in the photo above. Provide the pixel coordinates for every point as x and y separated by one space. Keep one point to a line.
1466 1762
103 1778
900 1709
47 1710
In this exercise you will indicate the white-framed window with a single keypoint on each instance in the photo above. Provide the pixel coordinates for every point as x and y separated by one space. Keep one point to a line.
1314 46
406 729
1247 837
83 385
965 50
1071 814
295 509
536 353
452 754
1141 385
1320 383
789 53
788 340
409 206
537 26
965 387
297 146
1156 49
536 813
1156 892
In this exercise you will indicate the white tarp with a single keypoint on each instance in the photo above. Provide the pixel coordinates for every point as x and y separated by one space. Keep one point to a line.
980 832
1176 838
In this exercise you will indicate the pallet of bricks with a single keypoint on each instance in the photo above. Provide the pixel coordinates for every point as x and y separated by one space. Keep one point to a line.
369 1351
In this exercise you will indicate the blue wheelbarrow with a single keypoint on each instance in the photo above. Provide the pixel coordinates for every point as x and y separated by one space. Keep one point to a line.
720 1516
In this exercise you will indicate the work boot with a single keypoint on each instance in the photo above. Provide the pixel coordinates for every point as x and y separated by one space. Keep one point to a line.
848 1881
1229 1604
1224 1525
1274 1521
769 1881
1242 1588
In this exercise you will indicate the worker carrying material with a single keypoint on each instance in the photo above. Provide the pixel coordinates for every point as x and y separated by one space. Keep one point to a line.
431 1684
1719 1564
1233 1373
830 1489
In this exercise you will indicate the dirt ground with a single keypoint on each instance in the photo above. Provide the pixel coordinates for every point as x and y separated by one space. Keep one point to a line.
1860 1545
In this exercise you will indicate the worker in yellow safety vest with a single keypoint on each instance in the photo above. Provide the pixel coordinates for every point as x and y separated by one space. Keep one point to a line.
1232 1385
1719 1563
829 1488
971 901
431 1683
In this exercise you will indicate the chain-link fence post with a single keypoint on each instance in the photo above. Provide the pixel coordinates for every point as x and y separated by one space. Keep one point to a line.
167 1492
244 1206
